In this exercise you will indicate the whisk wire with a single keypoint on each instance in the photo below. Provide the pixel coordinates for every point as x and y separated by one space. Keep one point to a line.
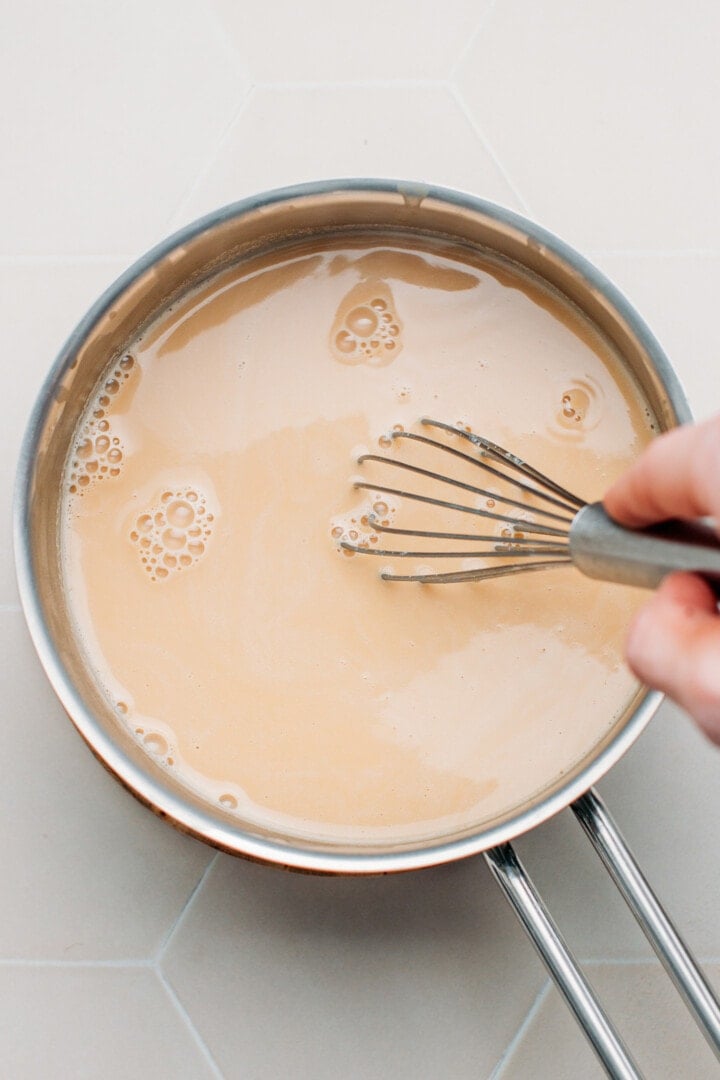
426 533
485 573
512 460
561 549
442 479
510 552
528 526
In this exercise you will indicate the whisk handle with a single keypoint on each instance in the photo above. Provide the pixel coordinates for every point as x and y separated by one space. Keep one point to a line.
601 548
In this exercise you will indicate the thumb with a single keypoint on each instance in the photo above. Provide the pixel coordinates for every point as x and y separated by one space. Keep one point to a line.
674 645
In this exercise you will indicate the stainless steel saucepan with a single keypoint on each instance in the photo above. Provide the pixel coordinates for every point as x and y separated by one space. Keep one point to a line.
329 209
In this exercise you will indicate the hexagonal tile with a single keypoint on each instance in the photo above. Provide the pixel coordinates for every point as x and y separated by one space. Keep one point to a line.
89 1022
677 295
665 798
310 43
642 1001
414 975
604 118
285 136
107 118
89 873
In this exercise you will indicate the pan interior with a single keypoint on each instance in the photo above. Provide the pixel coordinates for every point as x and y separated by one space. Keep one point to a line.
338 714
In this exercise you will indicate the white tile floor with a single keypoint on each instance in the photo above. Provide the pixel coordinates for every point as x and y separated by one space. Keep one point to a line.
127 950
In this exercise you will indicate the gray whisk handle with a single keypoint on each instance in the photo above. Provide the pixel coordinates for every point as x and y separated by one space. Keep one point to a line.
600 548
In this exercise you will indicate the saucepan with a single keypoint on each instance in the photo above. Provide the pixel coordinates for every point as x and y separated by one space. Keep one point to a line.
160 278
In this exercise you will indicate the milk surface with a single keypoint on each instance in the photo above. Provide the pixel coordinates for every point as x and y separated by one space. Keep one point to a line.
208 490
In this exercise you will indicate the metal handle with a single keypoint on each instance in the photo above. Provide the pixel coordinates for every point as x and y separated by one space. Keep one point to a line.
567 976
601 548
672 951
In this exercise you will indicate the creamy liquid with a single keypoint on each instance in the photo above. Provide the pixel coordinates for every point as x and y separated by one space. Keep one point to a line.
209 487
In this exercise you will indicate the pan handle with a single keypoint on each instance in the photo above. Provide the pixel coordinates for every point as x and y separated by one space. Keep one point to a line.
567 976
653 920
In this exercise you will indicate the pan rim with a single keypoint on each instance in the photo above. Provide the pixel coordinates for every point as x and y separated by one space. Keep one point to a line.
163 800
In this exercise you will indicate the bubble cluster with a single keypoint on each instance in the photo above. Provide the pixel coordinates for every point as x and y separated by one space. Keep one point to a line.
173 534
98 453
579 408
156 744
387 439
360 526
366 329
509 534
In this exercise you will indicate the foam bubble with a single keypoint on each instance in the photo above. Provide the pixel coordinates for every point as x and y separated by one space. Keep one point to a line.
180 513
345 342
156 743
362 321
174 539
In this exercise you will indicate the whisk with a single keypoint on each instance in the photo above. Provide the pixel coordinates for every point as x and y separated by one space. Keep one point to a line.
563 529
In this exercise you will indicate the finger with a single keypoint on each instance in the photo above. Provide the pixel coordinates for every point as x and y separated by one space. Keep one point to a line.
674 645
678 475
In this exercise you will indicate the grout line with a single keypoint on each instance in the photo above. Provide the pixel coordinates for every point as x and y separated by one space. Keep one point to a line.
180 211
455 92
520 1033
225 39
26 963
165 943
192 1030
472 38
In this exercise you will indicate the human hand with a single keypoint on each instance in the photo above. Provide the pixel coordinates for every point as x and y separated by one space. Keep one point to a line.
674 642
